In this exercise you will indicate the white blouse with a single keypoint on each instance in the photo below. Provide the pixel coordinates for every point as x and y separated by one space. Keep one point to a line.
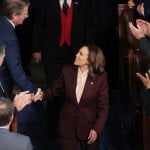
81 79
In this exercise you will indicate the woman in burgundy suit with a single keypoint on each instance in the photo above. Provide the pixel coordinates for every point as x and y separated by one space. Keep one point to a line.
86 105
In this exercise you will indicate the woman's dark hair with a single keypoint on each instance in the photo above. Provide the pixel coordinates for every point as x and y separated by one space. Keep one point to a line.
96 60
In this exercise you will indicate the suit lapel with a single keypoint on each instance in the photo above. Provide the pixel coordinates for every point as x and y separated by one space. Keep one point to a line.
74 83
87 88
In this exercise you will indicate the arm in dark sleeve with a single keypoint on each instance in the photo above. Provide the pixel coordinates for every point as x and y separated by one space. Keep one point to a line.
144 45
55 89
145 97
103 105
13 62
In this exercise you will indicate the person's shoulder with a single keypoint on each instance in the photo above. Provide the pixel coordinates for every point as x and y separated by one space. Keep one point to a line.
19 136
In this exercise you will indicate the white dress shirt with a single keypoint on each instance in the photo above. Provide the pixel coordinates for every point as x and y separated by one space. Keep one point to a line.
62 1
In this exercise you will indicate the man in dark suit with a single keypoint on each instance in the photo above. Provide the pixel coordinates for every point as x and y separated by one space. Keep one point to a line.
11 68
58 35
14 13
10 140
24 34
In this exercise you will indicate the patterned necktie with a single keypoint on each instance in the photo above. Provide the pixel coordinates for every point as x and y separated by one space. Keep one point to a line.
65 7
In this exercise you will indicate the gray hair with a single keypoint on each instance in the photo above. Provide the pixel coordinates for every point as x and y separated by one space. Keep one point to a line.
6 111
10 7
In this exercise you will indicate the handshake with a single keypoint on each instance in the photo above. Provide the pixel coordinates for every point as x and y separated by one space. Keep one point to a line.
39 95
25 98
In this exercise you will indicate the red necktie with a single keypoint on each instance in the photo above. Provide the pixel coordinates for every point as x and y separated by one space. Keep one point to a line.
65 7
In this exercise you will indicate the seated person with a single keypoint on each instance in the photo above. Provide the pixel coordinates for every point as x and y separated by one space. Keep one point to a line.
10 140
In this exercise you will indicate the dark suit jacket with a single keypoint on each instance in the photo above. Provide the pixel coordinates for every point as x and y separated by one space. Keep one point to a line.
13 141
90 113
47 29
147 9
145 97
12 64
144 45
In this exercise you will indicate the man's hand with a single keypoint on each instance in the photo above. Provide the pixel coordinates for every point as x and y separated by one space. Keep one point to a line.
145 25
136 32
92 136
37 57
22 99
39 95
145 79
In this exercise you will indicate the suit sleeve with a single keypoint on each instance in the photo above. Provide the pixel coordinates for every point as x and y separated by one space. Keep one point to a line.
56 88
145 97
102 104
144 45
13 62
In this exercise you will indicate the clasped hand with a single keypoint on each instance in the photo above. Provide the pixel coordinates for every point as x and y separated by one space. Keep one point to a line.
38 96
25 98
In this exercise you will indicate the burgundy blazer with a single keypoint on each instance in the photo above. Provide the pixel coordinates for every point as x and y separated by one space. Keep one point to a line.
91 113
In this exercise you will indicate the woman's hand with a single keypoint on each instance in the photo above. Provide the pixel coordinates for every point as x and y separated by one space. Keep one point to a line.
92 136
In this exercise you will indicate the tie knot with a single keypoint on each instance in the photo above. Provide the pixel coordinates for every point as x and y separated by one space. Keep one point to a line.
65 7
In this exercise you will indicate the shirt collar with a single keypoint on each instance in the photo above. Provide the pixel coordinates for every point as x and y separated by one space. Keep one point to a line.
11 22
85 73
62 1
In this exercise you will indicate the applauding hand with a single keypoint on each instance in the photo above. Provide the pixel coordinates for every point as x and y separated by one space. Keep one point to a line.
145 79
